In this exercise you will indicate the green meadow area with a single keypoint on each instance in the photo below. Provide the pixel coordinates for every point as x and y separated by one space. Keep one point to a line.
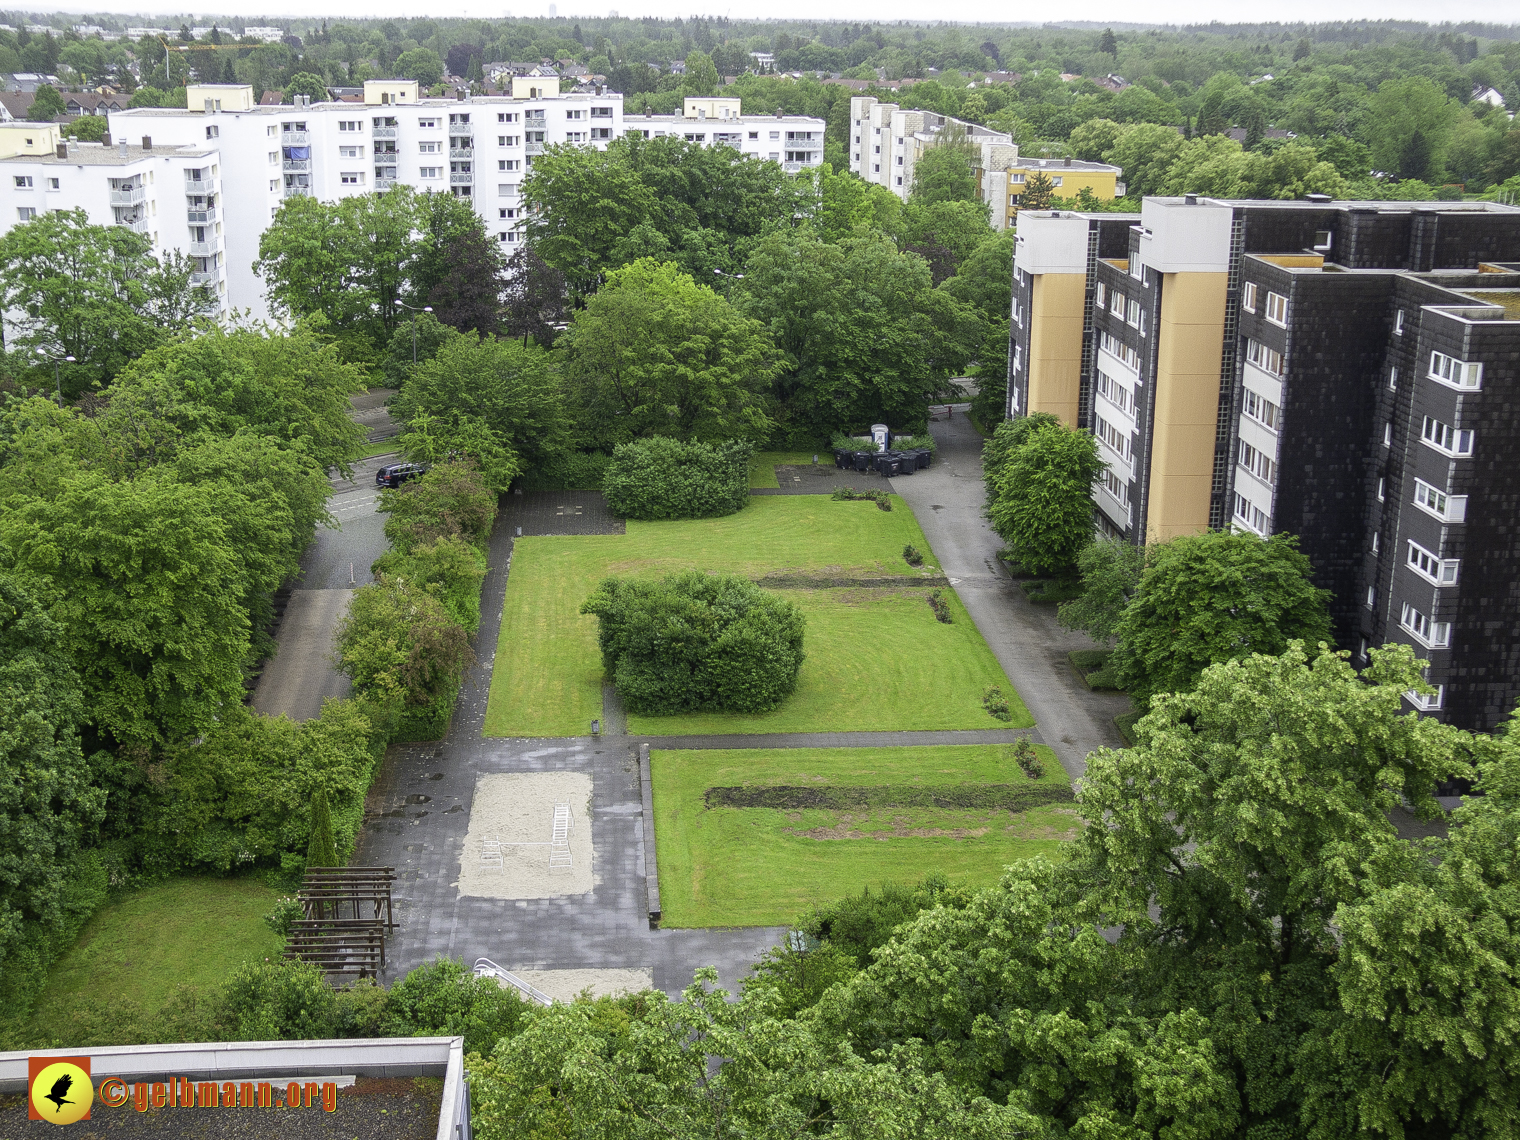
749 837
876 657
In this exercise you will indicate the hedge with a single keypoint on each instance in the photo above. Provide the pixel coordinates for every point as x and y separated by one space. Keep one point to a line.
695 641
666 479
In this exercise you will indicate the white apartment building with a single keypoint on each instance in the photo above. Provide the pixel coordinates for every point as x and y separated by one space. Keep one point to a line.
477 148
166 193
795 141
887 141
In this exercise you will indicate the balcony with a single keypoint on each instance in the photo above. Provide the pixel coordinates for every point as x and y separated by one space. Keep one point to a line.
461 152
531 121
461 179
202 249
136 225
298 191
205 277
201 217
384 132
297 164
535 148
132 196
205 187
461 129
294 138
383 184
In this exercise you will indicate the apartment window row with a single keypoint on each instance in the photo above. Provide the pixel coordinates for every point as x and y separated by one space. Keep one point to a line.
1257 407
1258 463
1446 439
1248 293
1277 309
1117 394
1118 442
1017 313
1116 301
1116 487
1456 373
1250 515
1267 359
1114 346
1440 571
1447 508
1431 634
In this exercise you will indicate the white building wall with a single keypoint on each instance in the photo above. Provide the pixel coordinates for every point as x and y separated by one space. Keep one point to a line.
794 141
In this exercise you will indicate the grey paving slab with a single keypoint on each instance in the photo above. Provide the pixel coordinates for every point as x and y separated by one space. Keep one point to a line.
557 512
947 499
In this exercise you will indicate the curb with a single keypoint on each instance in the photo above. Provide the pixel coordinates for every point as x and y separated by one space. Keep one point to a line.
651 864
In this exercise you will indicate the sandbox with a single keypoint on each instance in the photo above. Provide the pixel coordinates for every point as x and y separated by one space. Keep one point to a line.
529 836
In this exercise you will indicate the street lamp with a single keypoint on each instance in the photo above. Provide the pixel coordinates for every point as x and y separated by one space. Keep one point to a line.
728 277
57 379
414 311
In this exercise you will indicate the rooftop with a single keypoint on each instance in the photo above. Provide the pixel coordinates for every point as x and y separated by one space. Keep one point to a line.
379 108
97 154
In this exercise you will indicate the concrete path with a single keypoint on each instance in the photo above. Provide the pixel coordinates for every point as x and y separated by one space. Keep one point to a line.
947 499
300 676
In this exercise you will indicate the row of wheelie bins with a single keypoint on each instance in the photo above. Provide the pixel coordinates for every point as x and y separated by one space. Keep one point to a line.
885 462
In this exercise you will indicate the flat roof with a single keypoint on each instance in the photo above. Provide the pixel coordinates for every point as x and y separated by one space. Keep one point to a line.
678 118
385 108
97 154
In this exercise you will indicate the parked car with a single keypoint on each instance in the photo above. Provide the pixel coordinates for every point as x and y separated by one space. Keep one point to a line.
395 474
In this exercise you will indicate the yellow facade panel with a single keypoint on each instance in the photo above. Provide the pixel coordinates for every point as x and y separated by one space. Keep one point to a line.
1055 344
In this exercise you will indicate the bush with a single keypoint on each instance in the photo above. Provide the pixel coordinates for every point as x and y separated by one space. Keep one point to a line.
852 443
850 494
941 607
397 640
698 642
996 703
450 501
287 911
281 1000
667 479
912 555
444 999
448 568
570 471
1023 754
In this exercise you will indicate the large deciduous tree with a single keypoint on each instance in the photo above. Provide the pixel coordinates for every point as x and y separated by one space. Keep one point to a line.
654 353
1215 597
1039 491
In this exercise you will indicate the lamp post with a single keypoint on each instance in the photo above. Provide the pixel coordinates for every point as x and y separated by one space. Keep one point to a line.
414 311
57 377
727 278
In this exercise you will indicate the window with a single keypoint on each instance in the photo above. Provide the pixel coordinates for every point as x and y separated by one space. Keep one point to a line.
1393 379
1017 179
1433 500
1258 463
1382 486
52 184
1267 359
274 157
575 136
1426 702
26 213
350 125
460 168
508 164
426 124
351 178
601 112
777 135
23 182
1431 634
507 117
1446 439
459 119
1116 303
1398 323
1116 486
1117 441
1132 313
799 155
1248 296
1456 373
1250 515
1101 297
1017 313
1055 180
1371 596
1361 650
434 147
1441 571
1257 407
1277 309
1388 435
1376 542
756 135
1018 358
430 172
350 152
213 132
1322 240
1124 352
506 212
535 136
506 140
575 115
1115 393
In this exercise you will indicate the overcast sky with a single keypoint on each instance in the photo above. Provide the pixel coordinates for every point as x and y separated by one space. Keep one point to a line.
970 11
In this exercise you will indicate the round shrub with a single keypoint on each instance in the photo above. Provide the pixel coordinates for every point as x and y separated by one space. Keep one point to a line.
698 642
666 479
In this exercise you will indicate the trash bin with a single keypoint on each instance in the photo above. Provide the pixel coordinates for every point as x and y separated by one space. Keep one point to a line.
841 458
907 463
888 463
924 456
862 460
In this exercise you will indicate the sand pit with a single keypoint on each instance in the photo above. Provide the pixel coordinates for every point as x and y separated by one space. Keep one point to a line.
564 985
515 848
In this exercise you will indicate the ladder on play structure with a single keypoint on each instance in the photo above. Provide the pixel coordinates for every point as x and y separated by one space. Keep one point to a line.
559 841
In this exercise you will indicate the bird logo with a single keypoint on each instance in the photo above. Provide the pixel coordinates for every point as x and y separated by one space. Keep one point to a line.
61 1091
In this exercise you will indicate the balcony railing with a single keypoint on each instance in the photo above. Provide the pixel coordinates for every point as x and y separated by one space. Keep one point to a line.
298 191
383 184
294 138
137 225
461 152
205 187
129 197
298 164
461 129
200 217
384 132
531 121
535 148
461 179
204 276
202 249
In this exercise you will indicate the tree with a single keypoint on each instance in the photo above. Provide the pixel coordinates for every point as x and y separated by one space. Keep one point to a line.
47 104
89 128
654 353
1110 570
1038 192
534 298
421 64
695 642
1040 499
95 293
581 202
469 298
1410 127
947 171
307 84
459 56
849 206
321 852
1214 597
945 234
701 76
1108 44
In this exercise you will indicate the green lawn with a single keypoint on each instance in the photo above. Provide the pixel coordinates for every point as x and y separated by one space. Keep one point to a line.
384 447
727 866
762 466
547 676
190 931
